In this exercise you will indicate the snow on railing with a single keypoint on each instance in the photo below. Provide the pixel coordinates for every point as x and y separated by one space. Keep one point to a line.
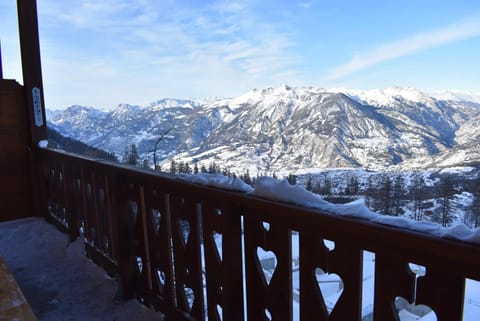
196 252
281 190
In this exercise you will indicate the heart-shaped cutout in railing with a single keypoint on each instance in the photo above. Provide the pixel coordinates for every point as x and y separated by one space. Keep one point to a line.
189 296
156 219
160 277
265 226
217 240
331 288
268 263
407 311
140 264
219 312
330 245
268 315
184 230
417 270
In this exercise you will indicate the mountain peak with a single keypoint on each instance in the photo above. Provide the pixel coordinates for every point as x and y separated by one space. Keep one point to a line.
457 95
386 97
409 93
283 87
171 103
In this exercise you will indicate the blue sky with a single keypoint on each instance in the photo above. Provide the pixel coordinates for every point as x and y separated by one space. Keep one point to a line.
103 53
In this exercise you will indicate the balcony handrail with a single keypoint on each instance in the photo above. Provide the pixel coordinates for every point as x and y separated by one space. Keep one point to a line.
172 268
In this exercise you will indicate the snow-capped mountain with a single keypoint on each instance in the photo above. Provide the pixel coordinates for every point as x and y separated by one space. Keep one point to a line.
456 95
286 129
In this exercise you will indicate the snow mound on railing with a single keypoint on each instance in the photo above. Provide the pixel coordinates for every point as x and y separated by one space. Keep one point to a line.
217 180
277 190
281 190
457 232
43 143
274 189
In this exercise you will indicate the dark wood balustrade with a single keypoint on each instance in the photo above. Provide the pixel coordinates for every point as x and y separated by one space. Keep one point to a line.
129 216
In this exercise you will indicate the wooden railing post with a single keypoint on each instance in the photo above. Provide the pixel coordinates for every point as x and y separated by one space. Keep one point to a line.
224 279
1 66
32 68
126 242
32 81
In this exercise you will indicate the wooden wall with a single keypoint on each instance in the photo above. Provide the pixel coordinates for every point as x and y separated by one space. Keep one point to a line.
16 198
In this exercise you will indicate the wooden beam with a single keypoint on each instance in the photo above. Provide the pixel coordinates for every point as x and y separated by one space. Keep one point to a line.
32 69
13 304
33 88
1 69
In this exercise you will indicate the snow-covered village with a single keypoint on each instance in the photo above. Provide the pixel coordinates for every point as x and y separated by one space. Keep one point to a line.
239 160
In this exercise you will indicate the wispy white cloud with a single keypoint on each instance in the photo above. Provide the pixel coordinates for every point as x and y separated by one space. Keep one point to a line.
226 43
228 6
407 46
305 4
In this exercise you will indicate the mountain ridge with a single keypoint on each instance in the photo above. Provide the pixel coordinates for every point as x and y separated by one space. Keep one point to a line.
287 128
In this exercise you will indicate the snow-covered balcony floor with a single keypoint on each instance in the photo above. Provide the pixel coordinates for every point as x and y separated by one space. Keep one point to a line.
58 280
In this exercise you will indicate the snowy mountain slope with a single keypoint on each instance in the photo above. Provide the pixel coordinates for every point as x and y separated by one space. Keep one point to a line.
274 129
467 150
456 95
77 122
304 127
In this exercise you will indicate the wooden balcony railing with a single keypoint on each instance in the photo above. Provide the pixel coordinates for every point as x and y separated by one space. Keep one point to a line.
157 235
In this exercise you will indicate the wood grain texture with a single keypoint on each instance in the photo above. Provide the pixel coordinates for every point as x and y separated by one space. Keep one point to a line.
15 171
13 305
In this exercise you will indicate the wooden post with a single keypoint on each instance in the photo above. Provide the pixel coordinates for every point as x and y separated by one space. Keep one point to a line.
1 69
33 89
32 69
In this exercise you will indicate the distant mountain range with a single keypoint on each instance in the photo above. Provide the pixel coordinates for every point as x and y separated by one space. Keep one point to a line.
286 129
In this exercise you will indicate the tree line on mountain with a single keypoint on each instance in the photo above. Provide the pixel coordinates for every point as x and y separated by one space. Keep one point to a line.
58 141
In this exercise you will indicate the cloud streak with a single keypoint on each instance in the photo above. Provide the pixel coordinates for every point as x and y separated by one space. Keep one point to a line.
407 46
214 48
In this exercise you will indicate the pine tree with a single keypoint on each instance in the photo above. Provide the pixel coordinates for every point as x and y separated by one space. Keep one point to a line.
309 184
246 177
125 155
416 196
398 195
292 179
326 188
181 167
475 209
188 169
131 157
386 195
212 168
446 190
173 167
352 186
